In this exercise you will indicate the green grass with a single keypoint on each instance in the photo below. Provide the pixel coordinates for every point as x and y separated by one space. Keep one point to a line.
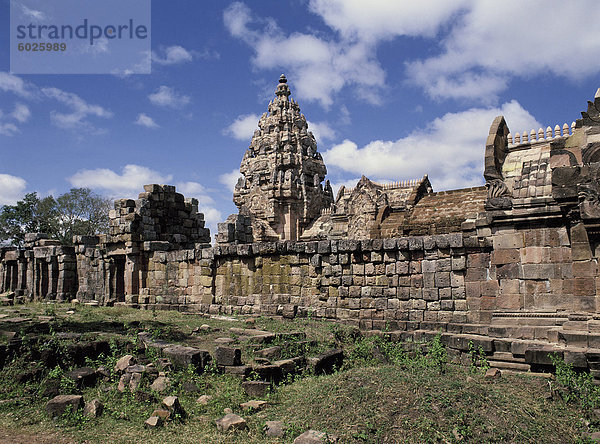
385 392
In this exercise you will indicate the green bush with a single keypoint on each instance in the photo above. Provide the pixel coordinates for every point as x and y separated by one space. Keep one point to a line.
478 359
437 354
580 386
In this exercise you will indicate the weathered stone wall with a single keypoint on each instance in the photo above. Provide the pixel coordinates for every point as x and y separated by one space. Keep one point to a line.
368 283
43 270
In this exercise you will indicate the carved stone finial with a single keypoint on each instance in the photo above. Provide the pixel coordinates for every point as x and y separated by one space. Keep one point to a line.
282 91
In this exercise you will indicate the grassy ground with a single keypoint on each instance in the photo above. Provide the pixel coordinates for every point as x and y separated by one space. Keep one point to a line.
382 394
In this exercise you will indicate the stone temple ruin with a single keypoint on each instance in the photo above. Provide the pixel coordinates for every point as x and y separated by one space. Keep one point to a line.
511 266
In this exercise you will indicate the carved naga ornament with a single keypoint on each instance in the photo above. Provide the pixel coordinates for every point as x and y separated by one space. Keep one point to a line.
496 149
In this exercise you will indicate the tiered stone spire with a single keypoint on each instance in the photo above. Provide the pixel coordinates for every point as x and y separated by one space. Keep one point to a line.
283 172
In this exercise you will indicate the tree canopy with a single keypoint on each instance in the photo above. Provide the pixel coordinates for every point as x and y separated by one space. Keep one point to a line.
78 212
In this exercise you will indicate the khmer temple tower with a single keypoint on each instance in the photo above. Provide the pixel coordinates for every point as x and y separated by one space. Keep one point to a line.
282 190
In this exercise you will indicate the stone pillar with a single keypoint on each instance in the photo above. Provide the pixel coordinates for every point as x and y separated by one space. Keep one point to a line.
30 273
53 277
2 274
132 274
21 274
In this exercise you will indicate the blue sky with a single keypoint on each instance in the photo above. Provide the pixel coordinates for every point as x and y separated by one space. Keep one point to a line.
392 89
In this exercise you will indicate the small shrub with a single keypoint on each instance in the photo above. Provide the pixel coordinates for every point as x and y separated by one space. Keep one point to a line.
437 354
478 359
580 386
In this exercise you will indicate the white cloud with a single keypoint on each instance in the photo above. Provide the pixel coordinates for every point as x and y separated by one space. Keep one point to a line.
195 189
350 183
33 14
478 46
243 127
212 216
21 113
166 96
12 188
80 110
8 129
147 121
100 46
493 43
127 184
172 55
319 68
450 149
230 179
382 19
322 131
14 84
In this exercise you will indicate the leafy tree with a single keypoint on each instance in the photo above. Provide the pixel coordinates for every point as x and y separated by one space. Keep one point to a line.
78 212
29 215
81 212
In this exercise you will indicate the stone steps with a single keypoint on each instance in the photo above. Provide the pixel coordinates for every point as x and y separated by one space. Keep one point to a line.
6 301
514 366
507 357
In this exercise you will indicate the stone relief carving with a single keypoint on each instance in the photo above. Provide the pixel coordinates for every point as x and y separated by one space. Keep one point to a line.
588 192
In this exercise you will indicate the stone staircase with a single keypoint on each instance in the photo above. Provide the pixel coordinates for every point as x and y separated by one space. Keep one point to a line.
518 342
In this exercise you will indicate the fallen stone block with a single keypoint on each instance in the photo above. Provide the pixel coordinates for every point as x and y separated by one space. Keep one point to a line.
163 414
270 352
326 362
83 377
93 408
153 422
183 357
256 389
492 374
228 356
204 399
171 403
124 362
135 381
291 366
59 404
124 382
271 372
253 405
136 368
274 429
315 437
231 422
160 384
242 371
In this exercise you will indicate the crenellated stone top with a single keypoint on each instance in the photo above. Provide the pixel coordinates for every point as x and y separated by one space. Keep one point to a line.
283 173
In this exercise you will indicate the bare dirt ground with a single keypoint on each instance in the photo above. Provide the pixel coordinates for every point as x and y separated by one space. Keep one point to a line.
16 437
